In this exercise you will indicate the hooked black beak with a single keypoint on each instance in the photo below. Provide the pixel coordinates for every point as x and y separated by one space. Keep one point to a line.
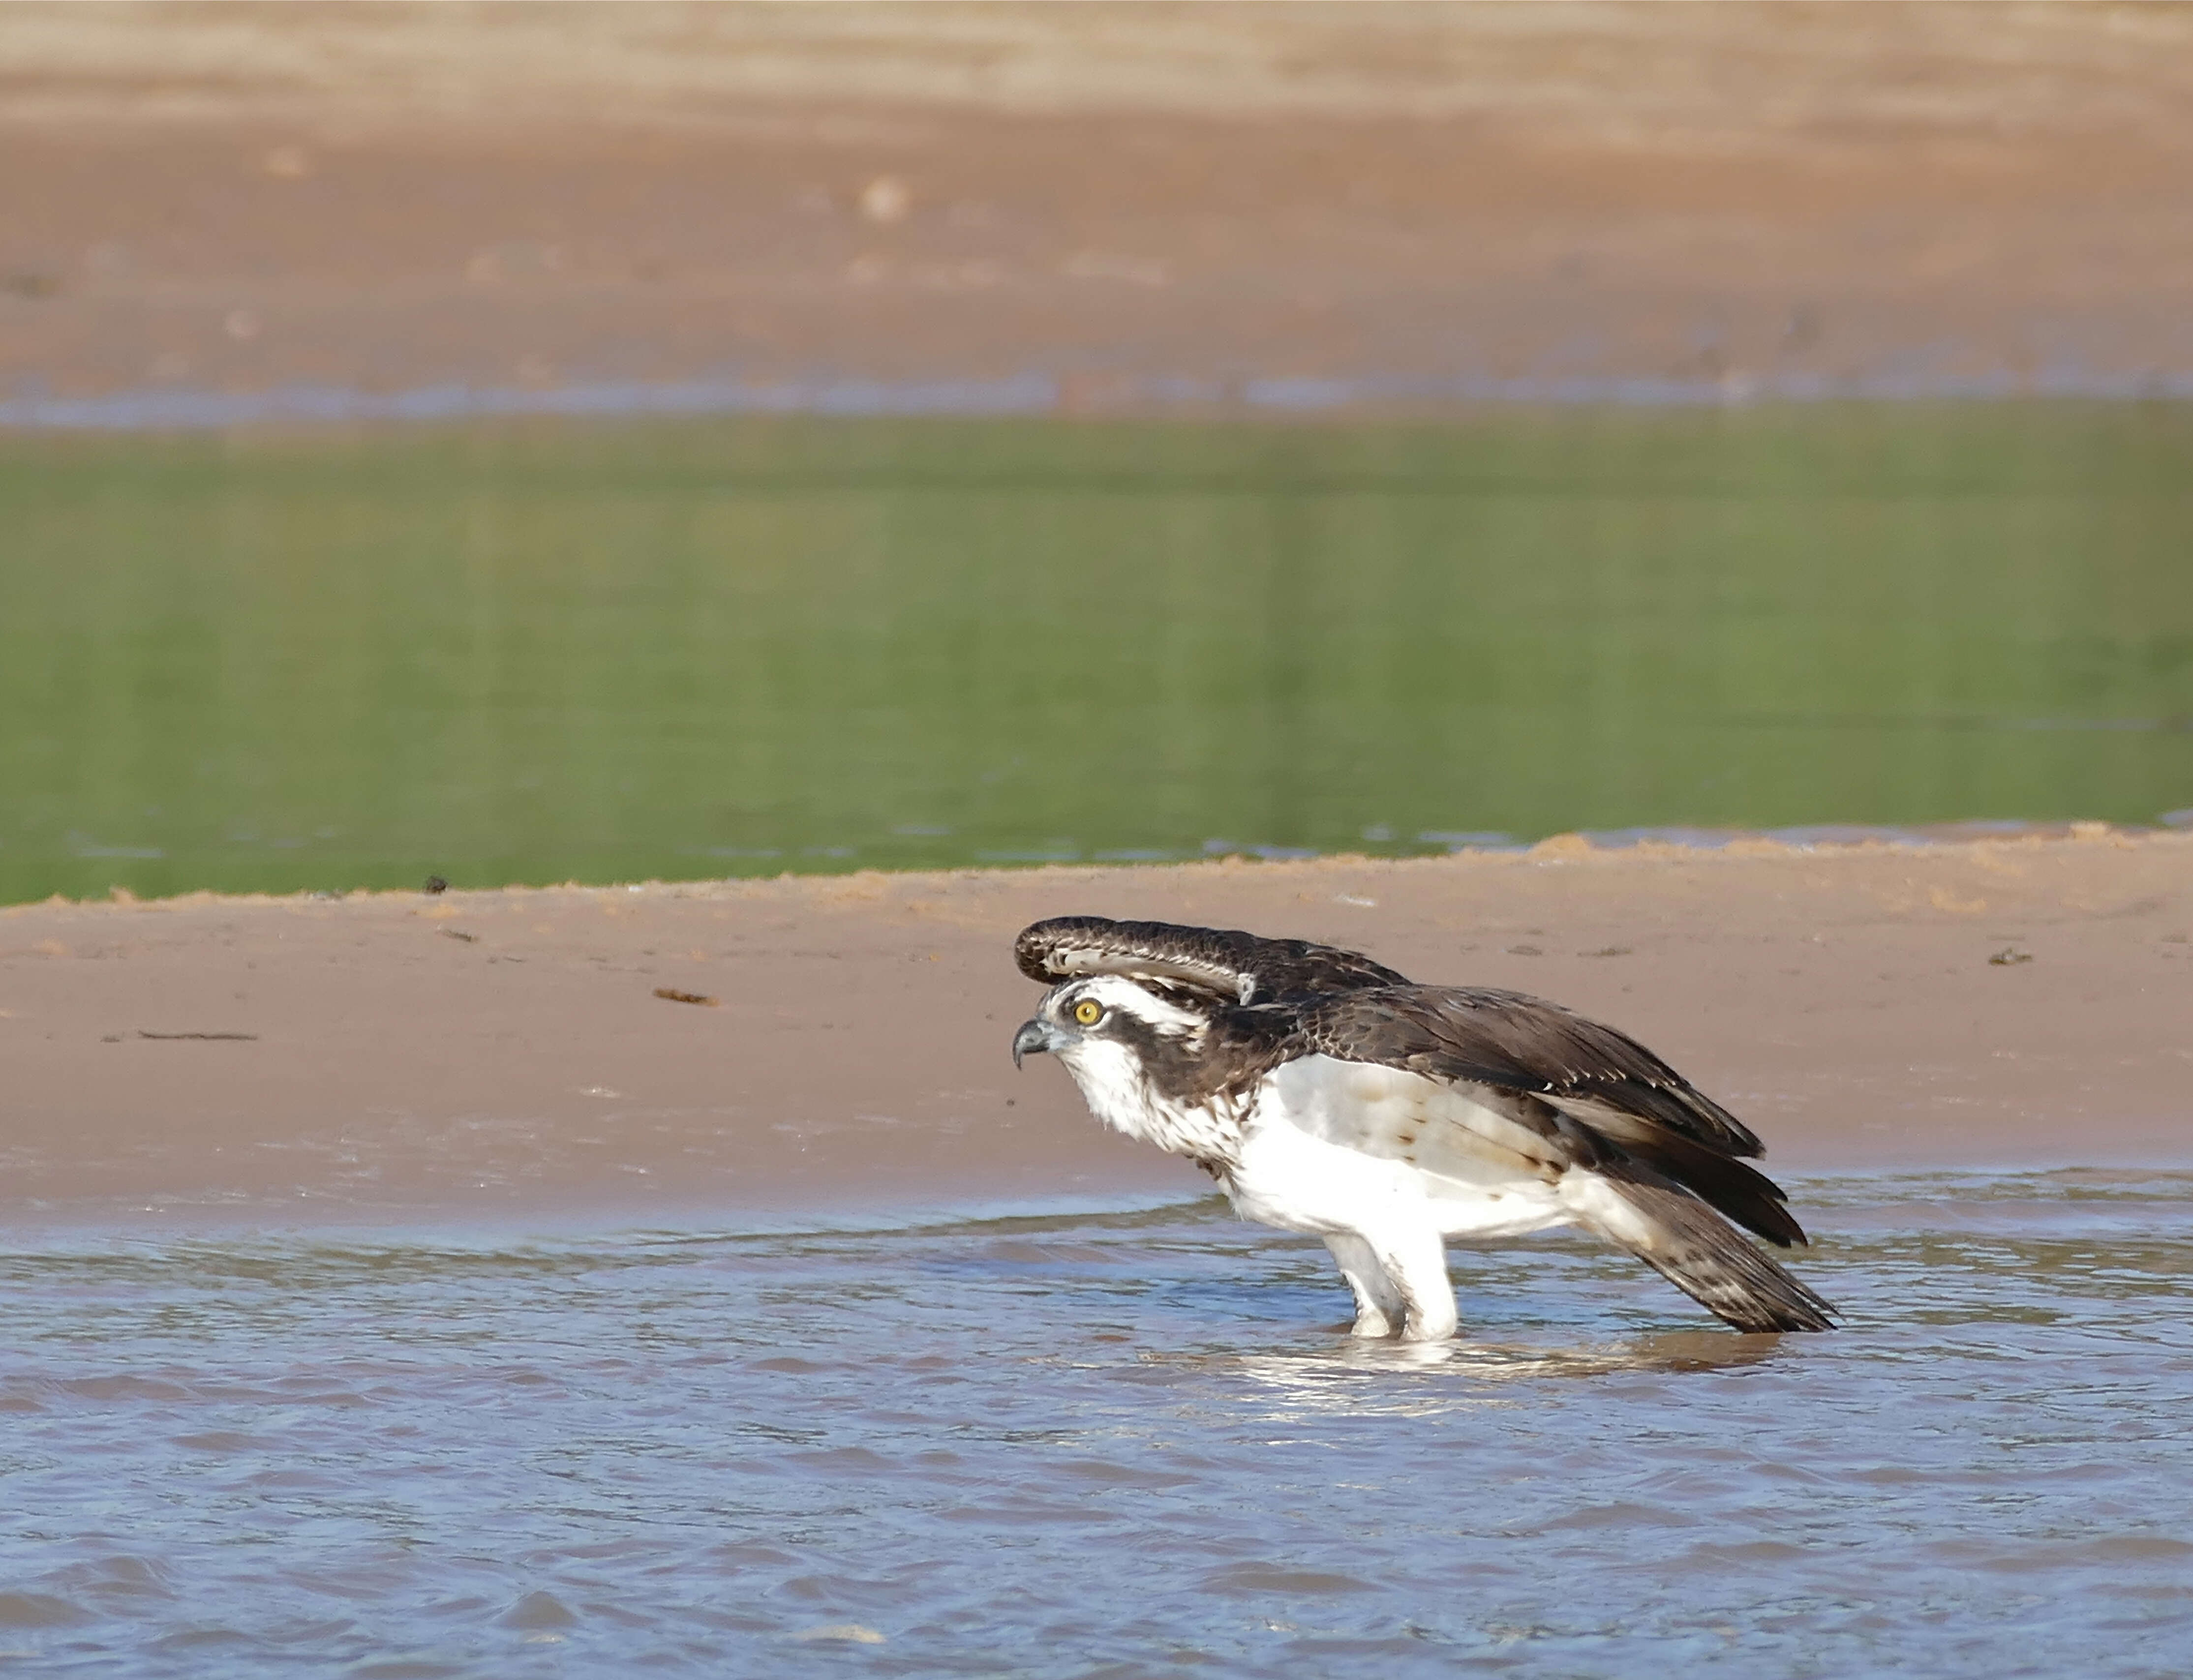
1033 1038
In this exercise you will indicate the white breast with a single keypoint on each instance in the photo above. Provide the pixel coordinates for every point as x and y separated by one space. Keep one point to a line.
1112 1085
1348 1146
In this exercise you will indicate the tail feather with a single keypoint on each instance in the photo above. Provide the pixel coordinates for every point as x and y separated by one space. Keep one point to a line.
1694 1249
1731 1187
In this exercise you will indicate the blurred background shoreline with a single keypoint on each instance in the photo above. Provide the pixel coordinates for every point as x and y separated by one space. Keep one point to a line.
228 213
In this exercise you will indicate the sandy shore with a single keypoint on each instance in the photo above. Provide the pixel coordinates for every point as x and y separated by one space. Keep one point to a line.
1123 207
505 1052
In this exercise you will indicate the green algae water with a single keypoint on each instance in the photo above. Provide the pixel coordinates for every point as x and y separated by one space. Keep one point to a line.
533 652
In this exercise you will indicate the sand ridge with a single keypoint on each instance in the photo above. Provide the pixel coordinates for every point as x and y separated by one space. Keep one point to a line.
505 1053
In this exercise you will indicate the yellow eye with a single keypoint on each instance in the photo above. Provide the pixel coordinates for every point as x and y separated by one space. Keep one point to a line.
1089 1012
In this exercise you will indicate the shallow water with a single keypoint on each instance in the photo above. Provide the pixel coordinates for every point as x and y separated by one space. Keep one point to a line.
1123 1444
532 653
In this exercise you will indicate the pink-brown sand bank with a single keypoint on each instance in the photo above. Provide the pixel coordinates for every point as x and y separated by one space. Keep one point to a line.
1133 201
506 1053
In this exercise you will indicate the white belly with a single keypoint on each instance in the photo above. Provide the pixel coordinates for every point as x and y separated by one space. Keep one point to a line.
1344 1146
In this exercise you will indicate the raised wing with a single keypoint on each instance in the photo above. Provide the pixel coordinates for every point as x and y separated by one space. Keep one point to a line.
1225 963
1606 1096
1521 1042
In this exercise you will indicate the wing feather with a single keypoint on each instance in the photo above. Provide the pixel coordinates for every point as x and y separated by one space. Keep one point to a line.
1510 1039
1607 1096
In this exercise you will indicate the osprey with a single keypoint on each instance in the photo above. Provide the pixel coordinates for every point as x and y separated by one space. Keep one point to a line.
1328 1094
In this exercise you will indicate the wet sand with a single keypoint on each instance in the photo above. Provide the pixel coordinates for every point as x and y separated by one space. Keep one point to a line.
479 1054
1122 209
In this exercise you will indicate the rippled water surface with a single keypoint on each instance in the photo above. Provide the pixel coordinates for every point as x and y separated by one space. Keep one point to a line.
1123 1444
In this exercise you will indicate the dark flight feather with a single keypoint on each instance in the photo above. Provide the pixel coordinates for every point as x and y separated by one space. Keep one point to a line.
1708 1261
1733 1187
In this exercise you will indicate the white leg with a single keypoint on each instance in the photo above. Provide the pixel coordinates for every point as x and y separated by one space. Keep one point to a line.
1416 1261
1378 1304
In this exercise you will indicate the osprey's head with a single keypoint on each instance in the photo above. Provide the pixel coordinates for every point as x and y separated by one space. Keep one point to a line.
1137 1049
1168 1029
1105 1019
